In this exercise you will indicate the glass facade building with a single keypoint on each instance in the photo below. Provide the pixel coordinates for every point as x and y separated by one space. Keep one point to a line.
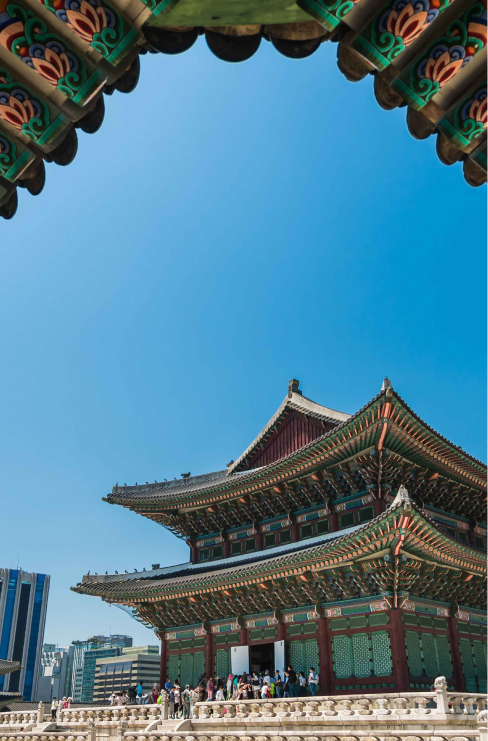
23 604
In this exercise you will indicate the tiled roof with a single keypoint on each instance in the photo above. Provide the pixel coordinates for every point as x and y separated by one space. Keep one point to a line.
172 492
193 575
6 667
298 403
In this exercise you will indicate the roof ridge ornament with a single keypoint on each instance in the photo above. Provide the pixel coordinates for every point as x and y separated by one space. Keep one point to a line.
386 384
293 385
402 497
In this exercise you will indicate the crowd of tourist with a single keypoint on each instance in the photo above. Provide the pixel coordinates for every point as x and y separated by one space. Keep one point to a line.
256 685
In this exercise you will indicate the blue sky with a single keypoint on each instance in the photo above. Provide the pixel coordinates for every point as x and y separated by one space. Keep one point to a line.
228 228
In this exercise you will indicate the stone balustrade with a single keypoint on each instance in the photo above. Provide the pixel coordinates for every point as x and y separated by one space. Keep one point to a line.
139 715
346 706
48 736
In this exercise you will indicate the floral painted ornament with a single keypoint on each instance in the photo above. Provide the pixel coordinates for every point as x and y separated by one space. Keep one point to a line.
393 29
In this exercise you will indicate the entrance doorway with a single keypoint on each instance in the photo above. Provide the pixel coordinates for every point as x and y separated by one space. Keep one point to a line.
262 657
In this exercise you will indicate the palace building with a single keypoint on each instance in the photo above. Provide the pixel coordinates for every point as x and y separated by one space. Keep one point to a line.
355 544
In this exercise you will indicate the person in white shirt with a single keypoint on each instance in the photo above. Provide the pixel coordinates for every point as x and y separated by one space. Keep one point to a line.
313 680
266 678
54 707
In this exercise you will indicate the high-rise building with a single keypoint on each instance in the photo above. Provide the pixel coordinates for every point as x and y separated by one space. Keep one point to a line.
52 675
77 652
23 604
136 665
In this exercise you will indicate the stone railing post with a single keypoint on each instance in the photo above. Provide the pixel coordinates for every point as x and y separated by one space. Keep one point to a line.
441 698
482 725
40 713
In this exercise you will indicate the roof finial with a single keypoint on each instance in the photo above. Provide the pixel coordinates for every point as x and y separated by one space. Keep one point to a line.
293 387
386 384
402 497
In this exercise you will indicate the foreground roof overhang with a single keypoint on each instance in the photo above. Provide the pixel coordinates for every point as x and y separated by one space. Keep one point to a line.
57 65
7 667
384 442
400 551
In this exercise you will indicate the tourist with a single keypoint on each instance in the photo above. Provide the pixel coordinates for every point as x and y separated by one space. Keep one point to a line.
131 695
219 695
139 692
286 685
278 684
229 686
292 682
168 686
210 689
185 699
112 699
54 707
121 699
313 680
255 685
177 699
302 685
171 698
265 693
64 703
155 693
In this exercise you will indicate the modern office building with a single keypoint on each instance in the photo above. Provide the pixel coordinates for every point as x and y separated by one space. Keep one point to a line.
79 649
53 673
23 604
136 665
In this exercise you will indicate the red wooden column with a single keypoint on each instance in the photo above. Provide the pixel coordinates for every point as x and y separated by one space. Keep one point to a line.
378 506
209 654
457 663
399 651
163 665
326 666
294 530
226 545
333 522
193 550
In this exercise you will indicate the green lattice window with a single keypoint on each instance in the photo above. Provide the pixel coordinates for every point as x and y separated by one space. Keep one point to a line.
304 654
366 514
346 520
173 667
428 655
188 668
322 527
362 654
473 656
285 536
269 540
306 531
222 662
235 548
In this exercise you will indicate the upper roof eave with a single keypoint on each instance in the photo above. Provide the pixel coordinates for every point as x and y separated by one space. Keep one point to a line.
136 497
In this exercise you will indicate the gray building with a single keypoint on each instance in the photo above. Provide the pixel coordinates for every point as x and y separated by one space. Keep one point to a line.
77 652
136 665
53 673
23 604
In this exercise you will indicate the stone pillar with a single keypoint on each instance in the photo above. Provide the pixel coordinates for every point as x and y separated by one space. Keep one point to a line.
163 666
457 664
209 654
326 665
399 651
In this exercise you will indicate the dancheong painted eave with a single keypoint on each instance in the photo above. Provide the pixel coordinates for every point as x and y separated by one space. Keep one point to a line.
386 428
402 550
429 57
